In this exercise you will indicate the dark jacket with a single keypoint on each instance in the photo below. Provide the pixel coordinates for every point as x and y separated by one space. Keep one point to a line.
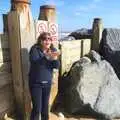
41 69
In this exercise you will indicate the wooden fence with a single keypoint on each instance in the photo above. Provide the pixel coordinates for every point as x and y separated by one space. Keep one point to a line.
6 87
14 63
72 51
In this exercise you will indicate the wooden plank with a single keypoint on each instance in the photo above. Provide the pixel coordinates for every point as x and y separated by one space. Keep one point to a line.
4 41
15 45
27 39
7 88
6 98
6 103
4 48
5 67
86 46
10 111
5 23
5 35
5 79
5 55
54 87
70 52
14 36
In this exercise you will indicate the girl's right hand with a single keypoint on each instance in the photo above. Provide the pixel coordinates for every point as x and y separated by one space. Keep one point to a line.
55 55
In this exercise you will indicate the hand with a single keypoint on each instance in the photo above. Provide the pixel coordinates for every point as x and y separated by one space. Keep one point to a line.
54 82
52 55
55 55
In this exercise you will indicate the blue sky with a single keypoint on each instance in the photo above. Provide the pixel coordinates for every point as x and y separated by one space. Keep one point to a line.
75 14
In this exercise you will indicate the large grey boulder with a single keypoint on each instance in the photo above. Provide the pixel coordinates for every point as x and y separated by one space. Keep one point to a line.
92 86
82 33
110 48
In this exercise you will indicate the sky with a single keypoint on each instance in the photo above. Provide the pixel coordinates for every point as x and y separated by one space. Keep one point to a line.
74 14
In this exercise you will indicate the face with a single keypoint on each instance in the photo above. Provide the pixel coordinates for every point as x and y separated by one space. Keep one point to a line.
46 42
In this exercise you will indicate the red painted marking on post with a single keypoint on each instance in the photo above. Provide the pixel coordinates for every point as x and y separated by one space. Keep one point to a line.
53 29
54 38
42 27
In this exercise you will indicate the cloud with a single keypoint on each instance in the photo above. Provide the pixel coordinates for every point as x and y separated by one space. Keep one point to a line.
57 3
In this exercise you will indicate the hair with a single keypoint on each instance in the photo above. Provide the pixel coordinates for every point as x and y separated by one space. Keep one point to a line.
42 36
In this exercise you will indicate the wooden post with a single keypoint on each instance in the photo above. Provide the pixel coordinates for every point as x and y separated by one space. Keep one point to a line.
97 33
14 39
48 13
22 37
5 23
19 5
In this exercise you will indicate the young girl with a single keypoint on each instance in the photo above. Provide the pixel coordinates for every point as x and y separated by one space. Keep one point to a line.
43 58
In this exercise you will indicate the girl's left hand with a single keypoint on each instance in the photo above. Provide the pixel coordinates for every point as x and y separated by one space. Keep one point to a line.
55 55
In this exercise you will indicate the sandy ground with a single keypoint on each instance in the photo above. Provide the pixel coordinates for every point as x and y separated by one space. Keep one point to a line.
54 117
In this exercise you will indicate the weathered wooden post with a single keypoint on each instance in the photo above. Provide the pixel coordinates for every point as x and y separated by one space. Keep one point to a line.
19 5
6 88
48 13
22 37
5 24
97 33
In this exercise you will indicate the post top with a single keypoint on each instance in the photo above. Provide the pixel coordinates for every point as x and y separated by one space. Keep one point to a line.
97 19
47 7
21 1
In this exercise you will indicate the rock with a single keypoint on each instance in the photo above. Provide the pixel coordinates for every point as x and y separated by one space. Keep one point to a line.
94 57
67 38
7 118
61 116
110 48
92 87
82 33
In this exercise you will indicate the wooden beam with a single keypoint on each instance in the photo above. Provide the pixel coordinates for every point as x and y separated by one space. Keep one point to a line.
5 79
15 47
97 33
7 102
